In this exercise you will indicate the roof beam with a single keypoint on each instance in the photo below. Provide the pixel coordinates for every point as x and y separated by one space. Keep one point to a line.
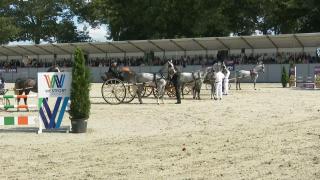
245 41
201 45
50 52
157 46
298 40
28 50
3 54
16 52
61 49
223 44
274 44
176 44
113 45
96 47
136 46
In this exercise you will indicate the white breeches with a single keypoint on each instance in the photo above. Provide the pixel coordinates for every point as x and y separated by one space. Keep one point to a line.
226 86
219 89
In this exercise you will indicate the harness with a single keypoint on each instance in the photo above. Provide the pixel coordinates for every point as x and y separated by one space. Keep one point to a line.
155 79
194 77
253 72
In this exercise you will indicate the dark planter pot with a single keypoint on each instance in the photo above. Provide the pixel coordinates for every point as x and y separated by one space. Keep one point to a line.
79 125
284 85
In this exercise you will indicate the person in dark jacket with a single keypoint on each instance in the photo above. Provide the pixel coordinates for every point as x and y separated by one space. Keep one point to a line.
1 82
114 70
177 85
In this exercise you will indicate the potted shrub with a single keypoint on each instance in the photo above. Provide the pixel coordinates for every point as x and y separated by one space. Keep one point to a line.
80 88
284 77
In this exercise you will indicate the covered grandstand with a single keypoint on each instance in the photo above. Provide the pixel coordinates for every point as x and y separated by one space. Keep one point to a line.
304 42
190 53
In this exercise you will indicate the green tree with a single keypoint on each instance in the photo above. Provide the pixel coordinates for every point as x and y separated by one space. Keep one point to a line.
42 19
241 15
67 33
141 19
8 30
284 77
80 87
288 16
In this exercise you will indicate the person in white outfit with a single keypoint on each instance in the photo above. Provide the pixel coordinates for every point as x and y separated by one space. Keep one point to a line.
219 79
226 73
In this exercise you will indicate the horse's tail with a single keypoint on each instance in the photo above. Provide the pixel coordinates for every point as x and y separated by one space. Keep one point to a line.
16 86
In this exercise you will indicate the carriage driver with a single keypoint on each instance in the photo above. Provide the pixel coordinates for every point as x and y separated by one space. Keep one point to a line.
114 70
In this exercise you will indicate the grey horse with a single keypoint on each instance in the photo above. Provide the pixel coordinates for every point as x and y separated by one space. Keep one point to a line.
195 79
253 74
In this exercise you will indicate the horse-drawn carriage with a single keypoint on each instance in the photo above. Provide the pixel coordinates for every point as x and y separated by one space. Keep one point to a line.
125 86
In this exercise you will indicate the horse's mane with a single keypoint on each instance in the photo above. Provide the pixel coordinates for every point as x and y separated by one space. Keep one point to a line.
258 66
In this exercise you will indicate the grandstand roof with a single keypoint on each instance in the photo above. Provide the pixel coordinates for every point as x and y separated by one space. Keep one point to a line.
161 45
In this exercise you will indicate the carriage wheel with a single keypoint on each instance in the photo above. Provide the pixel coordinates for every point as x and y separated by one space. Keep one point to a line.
113 91
131 93
187 89
171 91
148 90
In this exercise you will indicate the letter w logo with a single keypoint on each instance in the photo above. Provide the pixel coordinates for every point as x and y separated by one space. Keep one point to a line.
55 81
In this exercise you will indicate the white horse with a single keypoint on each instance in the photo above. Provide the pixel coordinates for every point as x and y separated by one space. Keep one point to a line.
197 87
195 79
253 74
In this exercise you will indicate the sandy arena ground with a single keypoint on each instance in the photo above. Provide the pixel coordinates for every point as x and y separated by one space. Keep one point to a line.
270 133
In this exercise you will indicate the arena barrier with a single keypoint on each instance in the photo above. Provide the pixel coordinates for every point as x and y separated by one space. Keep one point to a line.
317 77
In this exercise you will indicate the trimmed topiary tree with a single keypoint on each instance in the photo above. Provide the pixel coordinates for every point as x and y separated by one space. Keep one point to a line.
284 77
80 88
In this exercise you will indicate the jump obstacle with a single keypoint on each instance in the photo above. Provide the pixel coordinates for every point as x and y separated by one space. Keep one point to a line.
305 83
17 120
9 106
51 118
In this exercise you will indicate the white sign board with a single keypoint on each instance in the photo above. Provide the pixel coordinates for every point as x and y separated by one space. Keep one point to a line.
54 84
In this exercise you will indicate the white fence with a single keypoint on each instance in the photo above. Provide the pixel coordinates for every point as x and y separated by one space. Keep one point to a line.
272 72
